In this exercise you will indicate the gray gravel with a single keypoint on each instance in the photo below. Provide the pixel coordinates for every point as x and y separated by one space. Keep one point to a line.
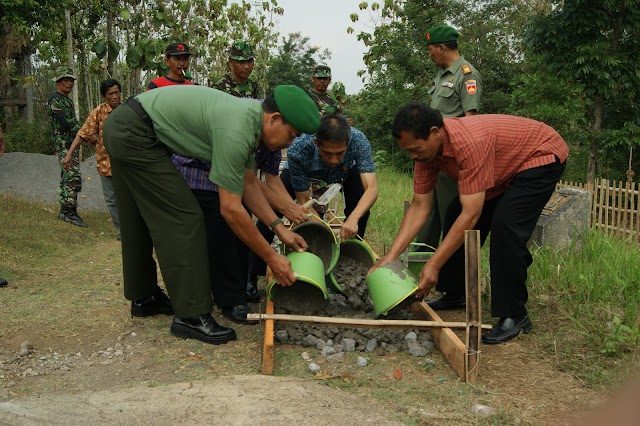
37 177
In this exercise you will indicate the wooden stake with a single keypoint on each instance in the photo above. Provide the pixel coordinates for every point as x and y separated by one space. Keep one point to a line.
474 321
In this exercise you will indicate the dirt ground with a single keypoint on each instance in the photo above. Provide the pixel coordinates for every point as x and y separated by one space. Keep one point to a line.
89 362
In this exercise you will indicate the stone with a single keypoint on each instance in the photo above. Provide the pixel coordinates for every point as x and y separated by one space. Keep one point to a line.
309 340
564 219
428 345
418 351
348 345
484 410
362 361
410 336
320 344
338 348
371 346
429 363
328 351
338 357
306 356
314 368
282 335
25 348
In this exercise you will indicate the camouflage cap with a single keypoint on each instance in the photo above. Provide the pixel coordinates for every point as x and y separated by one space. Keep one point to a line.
177 49
240 50
441 34
322 71
63 72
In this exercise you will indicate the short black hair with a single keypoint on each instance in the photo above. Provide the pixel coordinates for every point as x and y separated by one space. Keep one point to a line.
108 84
417 118
269 105
333 127
451 45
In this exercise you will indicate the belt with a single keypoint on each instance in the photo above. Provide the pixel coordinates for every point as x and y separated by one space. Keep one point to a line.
136 106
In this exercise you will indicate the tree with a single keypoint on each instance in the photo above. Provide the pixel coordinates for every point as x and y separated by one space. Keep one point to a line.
595 44
295 61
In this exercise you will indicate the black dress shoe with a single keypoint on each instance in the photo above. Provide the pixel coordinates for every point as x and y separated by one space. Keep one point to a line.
506 329
159 303
238 314
252 289
447 303
203 328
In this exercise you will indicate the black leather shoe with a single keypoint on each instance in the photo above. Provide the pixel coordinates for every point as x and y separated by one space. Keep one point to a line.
447 303
238 314
252 289
203 328
154 305
506 329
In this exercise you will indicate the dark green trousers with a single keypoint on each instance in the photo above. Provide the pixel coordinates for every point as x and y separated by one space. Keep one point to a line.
446 190
156 209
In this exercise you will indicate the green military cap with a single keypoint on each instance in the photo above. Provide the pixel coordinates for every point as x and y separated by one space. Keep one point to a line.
240 50
441 34
322 71
63 72
297 108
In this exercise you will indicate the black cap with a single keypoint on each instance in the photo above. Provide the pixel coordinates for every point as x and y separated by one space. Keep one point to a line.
178 48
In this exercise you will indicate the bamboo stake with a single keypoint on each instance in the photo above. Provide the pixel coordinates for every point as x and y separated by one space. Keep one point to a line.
356 322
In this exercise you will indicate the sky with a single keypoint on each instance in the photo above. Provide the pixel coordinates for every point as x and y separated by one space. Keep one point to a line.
326 23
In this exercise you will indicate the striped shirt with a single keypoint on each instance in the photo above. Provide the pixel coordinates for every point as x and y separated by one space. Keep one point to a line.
485 152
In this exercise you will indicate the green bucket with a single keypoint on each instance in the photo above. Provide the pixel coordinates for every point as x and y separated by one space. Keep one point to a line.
354 249
391 286
417 260
321 241
309 292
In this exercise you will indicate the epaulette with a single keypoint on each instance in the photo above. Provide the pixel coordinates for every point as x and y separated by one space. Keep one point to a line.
466 69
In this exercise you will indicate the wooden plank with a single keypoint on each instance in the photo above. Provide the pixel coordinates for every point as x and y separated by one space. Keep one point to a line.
607 199
474 312
359 322
451 347
619 219
268 345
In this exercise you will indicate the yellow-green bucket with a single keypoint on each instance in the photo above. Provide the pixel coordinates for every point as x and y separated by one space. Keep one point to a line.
309 293
321 241
354 249
391 286
417 260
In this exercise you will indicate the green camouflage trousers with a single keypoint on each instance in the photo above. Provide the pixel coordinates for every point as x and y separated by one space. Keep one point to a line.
70 180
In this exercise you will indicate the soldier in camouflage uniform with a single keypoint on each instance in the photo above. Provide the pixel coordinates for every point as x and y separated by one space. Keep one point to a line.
326 102
238 81
64 127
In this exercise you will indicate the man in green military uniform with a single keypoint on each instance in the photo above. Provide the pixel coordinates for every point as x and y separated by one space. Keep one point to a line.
456 92
238 81
158 210
64 127
325 102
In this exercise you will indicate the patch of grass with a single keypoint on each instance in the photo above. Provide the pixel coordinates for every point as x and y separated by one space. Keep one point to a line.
589 300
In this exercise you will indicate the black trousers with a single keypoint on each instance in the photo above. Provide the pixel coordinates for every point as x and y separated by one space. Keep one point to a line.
228 255
511 219
353 191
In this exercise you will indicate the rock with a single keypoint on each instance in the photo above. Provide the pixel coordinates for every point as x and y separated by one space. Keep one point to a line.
25 348
309 340
314 368
306 356
410 336
339 357
282 335
362 361
338 348
328 351
348 345
371 346
484 410
428 345
320 344
329 342
429 363
418 351
391 349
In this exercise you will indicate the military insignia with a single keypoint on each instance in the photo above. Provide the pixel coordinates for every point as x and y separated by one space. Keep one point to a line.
428 35
472 87
466 69
447 84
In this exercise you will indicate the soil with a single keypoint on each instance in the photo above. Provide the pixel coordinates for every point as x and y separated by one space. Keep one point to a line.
131 371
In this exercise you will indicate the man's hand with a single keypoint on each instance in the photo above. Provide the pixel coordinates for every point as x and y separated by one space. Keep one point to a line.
67 160
291 239
296 213
349 229
428 278
281 269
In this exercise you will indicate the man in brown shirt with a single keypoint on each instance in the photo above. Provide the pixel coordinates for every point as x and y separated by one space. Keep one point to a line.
91 131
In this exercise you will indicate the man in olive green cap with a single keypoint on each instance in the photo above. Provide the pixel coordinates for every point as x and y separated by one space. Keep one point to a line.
64 126
326 102
158 210
238 81
456 92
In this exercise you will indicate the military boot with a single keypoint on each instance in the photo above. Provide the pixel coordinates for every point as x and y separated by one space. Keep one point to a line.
70 214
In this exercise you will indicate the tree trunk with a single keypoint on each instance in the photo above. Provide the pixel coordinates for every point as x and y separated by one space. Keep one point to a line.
598 108
110 58
67 22
23 65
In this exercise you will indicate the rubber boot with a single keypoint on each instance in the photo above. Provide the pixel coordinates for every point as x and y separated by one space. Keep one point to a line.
70 214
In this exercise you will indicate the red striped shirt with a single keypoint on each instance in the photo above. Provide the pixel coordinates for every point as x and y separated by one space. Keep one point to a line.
484 152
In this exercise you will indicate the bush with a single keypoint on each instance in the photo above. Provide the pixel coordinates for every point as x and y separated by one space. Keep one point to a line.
29 137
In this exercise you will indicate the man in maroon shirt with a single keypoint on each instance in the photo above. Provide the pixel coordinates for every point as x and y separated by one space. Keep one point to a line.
507 168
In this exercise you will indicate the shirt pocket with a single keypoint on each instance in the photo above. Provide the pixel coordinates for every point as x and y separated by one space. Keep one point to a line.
446 92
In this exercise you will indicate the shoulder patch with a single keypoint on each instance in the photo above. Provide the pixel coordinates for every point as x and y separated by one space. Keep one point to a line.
466 69
472 87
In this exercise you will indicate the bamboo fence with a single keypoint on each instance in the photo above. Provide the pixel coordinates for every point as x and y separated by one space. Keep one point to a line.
614 206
